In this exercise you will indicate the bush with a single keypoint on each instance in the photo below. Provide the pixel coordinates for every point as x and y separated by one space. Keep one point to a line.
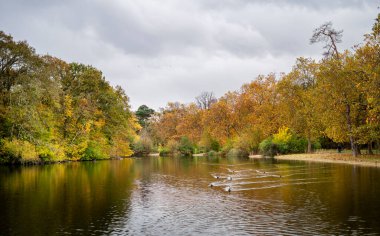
235 152
170 149
185 147
212 153
142 147
94 151
19 151
215 146
51 152
283 142
164 151
268 148
227 147
208 143
172 146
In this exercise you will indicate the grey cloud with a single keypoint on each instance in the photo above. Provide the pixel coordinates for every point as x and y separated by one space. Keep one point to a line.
311 4
176 49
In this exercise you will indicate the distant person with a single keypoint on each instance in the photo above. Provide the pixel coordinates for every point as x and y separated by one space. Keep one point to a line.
339 148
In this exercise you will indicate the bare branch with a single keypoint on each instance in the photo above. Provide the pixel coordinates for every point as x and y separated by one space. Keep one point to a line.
205 100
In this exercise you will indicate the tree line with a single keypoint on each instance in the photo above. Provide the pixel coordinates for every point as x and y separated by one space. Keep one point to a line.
336 98
51 110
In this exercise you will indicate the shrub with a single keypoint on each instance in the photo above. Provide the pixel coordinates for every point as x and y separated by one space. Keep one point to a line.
51 152
212 153
227 147
215 146
235 152
142 147
19 151
185 146
172 146
208 143
268 148
94 151
164 151
283 142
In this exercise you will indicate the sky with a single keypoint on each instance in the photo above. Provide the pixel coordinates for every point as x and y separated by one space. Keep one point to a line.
172 50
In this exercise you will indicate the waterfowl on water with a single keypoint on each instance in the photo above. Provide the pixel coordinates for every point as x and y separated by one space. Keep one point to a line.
211 185
229 178
228 189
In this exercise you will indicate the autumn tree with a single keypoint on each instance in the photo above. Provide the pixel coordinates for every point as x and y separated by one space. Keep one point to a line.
299 101
57 110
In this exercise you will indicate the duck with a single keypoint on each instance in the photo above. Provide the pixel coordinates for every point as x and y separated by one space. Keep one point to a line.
229 178
230 170
228 189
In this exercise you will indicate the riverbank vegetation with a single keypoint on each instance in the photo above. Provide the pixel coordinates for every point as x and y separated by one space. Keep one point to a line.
334 101
51 110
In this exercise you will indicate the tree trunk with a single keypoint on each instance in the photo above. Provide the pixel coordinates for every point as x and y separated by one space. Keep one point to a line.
354 146
309 146
370 151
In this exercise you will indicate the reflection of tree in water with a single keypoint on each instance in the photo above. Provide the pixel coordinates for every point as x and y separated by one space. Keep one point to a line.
74 198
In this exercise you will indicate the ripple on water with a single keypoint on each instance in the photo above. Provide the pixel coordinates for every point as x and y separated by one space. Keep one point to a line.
267 201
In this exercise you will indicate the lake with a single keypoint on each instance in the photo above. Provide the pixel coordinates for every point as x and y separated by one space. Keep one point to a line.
190 196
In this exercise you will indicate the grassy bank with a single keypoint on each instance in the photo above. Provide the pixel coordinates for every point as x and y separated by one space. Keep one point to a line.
329 157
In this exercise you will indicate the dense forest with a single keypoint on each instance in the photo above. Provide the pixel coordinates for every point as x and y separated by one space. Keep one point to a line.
51 110
336 99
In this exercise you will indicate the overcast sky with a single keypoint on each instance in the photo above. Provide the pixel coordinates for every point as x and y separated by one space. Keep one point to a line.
171 50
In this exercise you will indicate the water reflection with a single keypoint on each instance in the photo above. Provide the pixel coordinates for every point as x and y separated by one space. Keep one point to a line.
156 196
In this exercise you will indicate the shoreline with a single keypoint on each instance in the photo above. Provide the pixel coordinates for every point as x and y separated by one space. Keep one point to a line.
364 160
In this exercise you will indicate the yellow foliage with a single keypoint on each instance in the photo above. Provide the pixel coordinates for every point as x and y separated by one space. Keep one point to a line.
52 151
121 147
75 151
87 127
99 123
283 136
68 107
21 149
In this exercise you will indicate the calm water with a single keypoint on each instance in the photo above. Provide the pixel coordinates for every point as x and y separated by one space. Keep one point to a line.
172 196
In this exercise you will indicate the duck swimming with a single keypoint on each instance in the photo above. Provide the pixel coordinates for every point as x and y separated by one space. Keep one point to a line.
228 189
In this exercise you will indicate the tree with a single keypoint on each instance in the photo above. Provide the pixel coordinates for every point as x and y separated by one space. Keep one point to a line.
331 37
58 110
143 114
299 101
205 100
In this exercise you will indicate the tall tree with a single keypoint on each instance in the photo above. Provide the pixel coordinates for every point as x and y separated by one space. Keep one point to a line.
143 114
205 100
299 102
331 37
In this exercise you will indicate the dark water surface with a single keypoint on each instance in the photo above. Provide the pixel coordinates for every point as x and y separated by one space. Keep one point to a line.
172 196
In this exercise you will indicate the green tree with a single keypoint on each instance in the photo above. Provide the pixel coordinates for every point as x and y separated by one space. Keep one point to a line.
143 114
